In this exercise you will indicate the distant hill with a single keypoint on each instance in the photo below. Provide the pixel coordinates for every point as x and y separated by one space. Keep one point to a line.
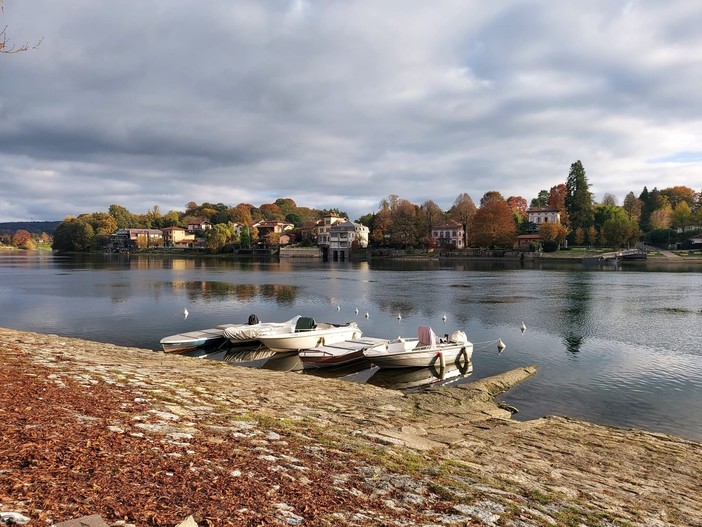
10 227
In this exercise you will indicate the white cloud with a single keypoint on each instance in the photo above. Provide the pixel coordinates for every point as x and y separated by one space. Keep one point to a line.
339 104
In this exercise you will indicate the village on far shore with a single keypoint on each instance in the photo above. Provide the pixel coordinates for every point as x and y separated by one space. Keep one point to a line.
564 218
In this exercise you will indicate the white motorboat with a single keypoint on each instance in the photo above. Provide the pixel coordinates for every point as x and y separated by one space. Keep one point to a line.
310 334
193 340
339 353
423 352
213 338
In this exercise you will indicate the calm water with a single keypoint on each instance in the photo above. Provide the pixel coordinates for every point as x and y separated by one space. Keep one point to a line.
620 347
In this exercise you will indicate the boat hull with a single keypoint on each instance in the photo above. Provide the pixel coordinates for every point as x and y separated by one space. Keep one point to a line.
338 354
193 340
302 340
421 356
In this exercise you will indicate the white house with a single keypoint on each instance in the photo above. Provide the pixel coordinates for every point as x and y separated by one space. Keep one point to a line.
449 232
541 216
324 225
345 236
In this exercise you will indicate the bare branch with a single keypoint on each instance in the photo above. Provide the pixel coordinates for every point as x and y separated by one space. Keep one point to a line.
6 47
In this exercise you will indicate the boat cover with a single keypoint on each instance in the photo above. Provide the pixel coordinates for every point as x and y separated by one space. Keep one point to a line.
458 337
426 335
243 332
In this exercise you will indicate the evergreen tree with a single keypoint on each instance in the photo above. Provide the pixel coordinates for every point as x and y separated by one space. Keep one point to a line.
578 199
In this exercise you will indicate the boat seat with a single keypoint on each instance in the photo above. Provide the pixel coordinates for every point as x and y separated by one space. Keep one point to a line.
305 324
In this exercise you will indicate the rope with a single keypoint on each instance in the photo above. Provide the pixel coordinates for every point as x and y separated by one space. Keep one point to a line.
482 346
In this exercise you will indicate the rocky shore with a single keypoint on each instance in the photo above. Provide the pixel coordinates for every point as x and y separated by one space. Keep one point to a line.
143 438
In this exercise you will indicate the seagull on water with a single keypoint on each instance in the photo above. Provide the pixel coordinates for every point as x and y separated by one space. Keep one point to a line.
185 313
367 315
338 308
443 318
523 327
356 311
399 316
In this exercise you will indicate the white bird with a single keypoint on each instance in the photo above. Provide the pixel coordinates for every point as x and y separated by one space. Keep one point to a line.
367 315
523 327
443 318
356 311
399 316
185 313
500 345
338 308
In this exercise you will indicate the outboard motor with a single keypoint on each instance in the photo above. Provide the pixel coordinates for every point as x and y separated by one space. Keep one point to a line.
253 319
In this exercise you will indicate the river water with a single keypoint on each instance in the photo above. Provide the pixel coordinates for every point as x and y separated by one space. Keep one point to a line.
619 346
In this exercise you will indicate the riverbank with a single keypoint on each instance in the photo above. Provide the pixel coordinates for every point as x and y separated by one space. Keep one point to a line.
144 438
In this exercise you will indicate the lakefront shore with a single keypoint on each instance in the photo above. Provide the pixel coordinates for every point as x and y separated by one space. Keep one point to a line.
143 438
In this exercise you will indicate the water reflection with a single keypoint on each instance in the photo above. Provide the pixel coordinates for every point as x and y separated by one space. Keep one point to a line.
284 294
577 305
410 379
284 361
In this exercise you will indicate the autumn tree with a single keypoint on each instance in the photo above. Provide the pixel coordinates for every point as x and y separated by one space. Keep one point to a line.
556 201
557 196
518 206
273 238
592 235
380 230
20 237
676 195
632 206
429 215
579 236
493 225
661 218
553 235
403 226
462 211
271 212
103 224
242 214
682 216
578 199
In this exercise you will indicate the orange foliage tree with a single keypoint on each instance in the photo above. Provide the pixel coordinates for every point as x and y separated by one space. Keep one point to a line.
493 223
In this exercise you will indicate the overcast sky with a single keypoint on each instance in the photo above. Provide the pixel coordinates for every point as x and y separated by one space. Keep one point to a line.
341 103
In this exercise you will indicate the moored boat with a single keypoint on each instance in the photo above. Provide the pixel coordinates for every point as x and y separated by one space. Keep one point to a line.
211 338
193 340
339 353
309 334
425 351
248 333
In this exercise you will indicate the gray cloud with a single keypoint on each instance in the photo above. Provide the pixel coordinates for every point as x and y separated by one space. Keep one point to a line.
339 104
